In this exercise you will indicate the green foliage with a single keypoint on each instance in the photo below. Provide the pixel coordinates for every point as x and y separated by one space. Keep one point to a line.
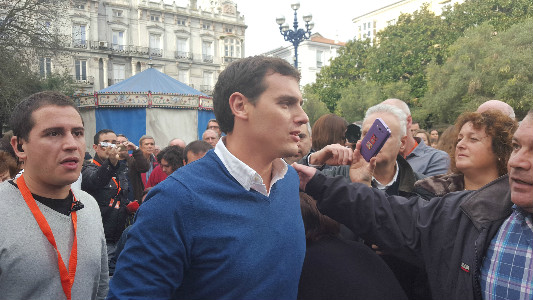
413 50
406 48
314 107
360 96
483 65
347 68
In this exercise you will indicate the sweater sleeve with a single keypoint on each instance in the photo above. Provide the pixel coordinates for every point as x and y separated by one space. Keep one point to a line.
103 284
152 264
394 223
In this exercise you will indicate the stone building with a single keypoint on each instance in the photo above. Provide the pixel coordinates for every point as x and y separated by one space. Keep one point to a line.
112 40
369 24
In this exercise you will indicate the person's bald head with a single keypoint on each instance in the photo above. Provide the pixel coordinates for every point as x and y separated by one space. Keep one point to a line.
177 142
497 105
211 137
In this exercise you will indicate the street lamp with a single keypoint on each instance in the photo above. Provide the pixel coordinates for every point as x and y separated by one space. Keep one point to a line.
296 35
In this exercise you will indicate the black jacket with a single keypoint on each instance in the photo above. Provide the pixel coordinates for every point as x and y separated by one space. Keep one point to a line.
99 180
449 235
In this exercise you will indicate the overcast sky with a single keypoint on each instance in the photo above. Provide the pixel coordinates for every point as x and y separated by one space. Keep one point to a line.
333 19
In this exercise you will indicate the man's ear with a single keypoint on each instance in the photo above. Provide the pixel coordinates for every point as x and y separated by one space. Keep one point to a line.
237 103
19 146
95 147
403 141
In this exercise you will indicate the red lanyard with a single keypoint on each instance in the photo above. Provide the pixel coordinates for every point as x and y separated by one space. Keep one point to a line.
117 183
67 277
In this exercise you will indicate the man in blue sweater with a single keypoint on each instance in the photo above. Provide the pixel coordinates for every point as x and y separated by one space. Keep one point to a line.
227 226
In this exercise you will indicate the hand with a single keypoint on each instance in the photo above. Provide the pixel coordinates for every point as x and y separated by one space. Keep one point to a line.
377 250
305 173
130 146
112 153
332 155
361 170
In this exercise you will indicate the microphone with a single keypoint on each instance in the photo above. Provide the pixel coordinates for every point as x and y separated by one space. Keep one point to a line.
77 205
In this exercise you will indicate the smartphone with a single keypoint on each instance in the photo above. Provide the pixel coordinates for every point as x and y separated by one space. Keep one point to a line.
374 139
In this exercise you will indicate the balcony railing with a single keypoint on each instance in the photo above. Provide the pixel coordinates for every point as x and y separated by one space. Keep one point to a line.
79 43
183 55
207 58
156 52
228 59
83 79
208 89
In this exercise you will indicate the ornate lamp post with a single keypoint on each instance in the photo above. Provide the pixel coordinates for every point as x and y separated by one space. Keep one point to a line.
296 35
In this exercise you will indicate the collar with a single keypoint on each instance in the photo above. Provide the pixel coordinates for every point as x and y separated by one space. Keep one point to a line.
247 177
381 186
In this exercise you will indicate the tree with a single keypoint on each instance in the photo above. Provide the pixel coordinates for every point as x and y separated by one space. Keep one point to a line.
406 48
28 29
345 69
483 65
361 95
314 108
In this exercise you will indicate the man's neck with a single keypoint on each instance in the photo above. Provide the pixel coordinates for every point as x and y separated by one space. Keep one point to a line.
251 157
45 190
385 173
410 143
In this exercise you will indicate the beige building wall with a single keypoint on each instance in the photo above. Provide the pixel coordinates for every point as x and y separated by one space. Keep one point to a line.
369 24
111 40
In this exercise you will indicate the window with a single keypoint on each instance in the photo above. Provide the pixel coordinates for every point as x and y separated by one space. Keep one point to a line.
78 35
117 13
181 22
206 26
319 55
207 51
119 72
80 69
155 45
79 6
118 40
207 85
228 30
364 26
155 18
183 76
232 47
45 66
182 48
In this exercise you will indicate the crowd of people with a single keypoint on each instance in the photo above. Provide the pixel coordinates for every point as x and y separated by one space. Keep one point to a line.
267 206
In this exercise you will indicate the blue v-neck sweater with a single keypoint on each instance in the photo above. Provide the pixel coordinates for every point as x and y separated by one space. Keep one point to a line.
201 235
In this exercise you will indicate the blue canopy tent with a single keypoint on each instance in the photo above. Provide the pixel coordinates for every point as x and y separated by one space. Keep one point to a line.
151 103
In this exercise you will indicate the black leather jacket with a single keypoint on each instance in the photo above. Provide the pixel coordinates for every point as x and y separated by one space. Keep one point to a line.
109 185
448 235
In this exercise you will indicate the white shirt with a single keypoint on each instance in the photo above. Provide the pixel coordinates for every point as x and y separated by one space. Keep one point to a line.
381 186
247 177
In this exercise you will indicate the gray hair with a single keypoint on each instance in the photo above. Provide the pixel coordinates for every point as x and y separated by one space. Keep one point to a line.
399 104
393 110
309 129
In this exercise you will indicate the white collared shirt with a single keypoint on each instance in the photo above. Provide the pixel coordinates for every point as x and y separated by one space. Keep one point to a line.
246 176
381 186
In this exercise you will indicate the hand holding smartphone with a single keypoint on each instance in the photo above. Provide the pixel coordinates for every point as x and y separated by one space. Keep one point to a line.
374 139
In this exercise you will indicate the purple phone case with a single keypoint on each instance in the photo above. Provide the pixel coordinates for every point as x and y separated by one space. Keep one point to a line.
374 139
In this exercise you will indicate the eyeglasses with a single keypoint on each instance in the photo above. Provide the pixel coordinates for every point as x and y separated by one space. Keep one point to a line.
213 127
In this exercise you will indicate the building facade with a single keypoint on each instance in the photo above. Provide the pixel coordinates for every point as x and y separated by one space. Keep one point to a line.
111 40
313 54
369 24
